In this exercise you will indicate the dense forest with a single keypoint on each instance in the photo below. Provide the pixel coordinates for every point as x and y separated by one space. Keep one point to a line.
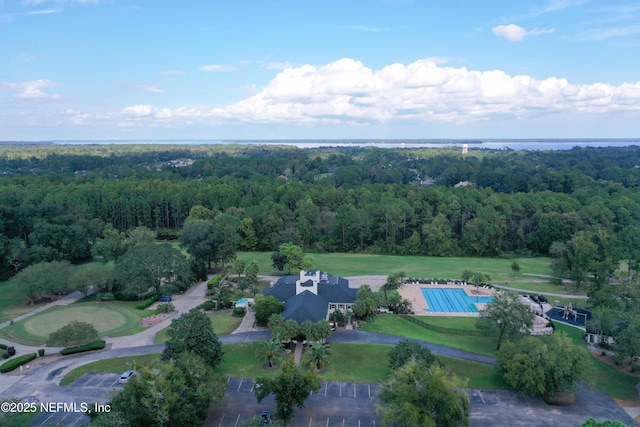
61 202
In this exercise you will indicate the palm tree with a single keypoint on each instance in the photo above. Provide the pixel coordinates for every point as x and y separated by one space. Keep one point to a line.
270 350
317 354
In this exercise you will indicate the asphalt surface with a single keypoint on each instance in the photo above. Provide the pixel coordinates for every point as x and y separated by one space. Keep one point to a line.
336 404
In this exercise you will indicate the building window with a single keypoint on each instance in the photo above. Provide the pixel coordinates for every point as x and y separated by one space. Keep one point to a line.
332 306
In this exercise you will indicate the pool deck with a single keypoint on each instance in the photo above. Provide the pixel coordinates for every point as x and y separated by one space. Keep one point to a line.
413 293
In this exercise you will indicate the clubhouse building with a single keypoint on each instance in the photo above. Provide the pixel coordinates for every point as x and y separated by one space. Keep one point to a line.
312 295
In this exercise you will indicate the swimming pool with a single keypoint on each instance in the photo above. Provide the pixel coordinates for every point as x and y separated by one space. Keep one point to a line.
452 300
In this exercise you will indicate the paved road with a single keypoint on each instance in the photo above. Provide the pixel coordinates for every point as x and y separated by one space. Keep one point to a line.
350 402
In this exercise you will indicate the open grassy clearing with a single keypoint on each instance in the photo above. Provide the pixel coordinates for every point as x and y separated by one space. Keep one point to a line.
110 319
12 302
499 269
363 363
223 324
116 366
396 325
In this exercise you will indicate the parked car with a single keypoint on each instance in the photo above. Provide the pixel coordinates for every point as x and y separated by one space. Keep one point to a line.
165 298
265 418
126 376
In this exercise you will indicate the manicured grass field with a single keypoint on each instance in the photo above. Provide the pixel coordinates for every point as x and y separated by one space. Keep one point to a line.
12 303
110 319
363 363
116 366
223 324
395 325
499 269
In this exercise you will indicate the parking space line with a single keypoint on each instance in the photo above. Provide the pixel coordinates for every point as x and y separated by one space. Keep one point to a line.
480 393
343 422
340 384
369 386
237 421
240 385
221 419
310 421
326 386
327 422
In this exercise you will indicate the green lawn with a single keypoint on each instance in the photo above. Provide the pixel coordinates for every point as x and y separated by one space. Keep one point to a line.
109 318
606 378
12 302
499 269
364 363
223 324
116 365
396 325
476 375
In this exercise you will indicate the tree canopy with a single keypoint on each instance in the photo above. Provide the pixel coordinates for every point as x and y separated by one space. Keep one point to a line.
291 388
168 393
416 396
152 267
544 365
505 318
193 332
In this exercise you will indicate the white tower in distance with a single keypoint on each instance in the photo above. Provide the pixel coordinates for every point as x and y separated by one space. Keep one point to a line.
465 148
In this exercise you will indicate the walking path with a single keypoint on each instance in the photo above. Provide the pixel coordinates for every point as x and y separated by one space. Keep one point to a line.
529 291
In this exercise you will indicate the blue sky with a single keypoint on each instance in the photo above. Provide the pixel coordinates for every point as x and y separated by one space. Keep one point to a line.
262 69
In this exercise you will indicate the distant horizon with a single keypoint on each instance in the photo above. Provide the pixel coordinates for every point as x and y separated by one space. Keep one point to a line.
477 143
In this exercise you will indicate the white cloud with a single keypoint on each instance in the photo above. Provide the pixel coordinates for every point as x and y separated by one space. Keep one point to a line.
32 90
348 92
611 32
516 33
217 68
138 110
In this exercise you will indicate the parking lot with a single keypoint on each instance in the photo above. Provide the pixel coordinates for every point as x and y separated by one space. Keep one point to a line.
335 404
89 388
351 404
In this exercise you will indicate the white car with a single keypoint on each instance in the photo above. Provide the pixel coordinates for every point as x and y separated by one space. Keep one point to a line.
126 376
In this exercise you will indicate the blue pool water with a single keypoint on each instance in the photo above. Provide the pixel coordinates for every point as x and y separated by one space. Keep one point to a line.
241 301
452 300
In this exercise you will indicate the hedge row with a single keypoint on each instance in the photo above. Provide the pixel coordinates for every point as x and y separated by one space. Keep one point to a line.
147 302
17 362
94 345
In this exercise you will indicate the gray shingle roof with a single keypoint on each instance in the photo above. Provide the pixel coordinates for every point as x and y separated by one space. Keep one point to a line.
307 305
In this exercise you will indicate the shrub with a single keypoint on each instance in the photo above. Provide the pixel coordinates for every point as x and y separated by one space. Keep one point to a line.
74 333
95 345
40 352
105 296
5 355
11 350
207 305
239 312
166 307
3 346
17 362
147 302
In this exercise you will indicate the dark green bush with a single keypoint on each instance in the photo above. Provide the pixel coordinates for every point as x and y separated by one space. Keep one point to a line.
147 302
95 345
11 350
105 296
207 305
239 312
166 307
5 355
40 352
17 362
3 346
